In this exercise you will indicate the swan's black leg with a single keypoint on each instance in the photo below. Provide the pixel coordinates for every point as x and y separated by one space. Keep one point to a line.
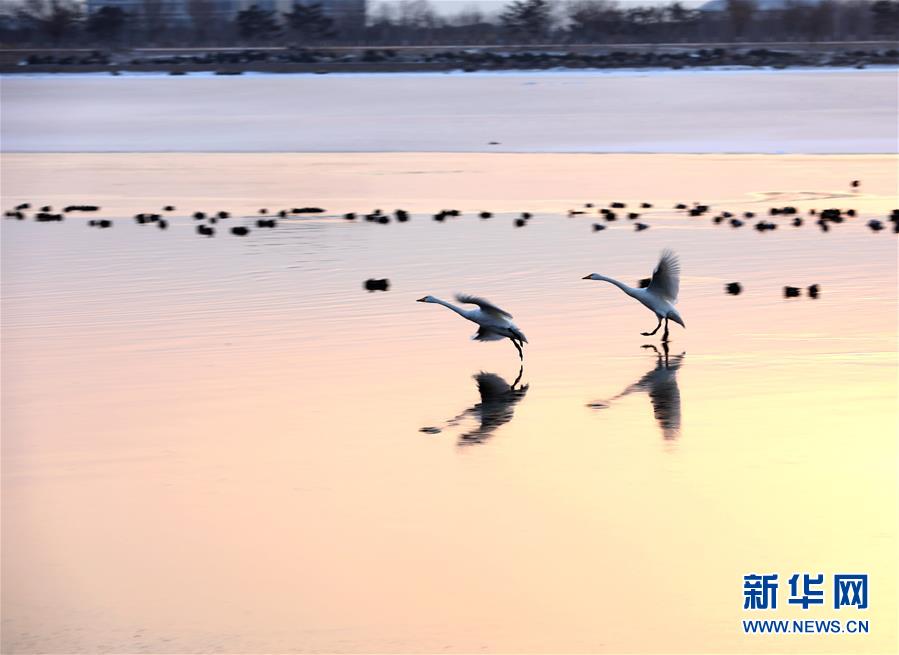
649 334
665 335
518 348
518 379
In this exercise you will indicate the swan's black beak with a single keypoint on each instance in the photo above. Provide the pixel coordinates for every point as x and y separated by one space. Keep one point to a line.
421 300
587 277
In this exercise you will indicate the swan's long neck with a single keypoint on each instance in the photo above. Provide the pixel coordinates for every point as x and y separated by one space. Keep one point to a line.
631 291
458 310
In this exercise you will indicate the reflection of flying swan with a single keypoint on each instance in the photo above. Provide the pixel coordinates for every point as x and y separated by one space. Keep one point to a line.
497 407
494 322
661 294
661 385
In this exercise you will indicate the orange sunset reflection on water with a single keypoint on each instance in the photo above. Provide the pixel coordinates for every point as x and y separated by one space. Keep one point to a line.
216 445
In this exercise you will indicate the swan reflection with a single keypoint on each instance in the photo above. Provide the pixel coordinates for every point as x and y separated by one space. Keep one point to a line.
496 408
661 385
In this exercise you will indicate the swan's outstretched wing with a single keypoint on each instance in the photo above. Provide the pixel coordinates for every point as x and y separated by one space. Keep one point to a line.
485 305
666 277
486 334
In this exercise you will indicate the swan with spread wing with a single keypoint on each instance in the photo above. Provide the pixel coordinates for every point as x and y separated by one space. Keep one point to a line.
661 294
493 323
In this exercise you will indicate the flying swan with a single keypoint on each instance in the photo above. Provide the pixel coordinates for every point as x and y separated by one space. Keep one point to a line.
494 323
661 294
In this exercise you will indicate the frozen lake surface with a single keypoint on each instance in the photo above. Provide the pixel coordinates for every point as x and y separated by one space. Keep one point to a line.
740 111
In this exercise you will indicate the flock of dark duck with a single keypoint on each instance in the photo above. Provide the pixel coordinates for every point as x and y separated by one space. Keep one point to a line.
651 292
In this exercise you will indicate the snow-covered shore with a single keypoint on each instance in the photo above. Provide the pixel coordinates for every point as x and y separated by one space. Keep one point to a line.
690 111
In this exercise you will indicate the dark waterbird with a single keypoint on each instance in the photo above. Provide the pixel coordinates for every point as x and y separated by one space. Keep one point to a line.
813 291
639 227
733 288
698 210
791 292
373 284
205 230
774 211
240 231
598 226
520 222
485 215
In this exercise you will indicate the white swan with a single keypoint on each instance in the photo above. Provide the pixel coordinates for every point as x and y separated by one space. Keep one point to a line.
661 294
494 322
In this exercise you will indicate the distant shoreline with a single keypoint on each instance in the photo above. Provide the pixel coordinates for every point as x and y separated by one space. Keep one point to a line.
417 59
209 73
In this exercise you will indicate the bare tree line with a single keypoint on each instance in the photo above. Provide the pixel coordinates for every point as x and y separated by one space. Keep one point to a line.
57 23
